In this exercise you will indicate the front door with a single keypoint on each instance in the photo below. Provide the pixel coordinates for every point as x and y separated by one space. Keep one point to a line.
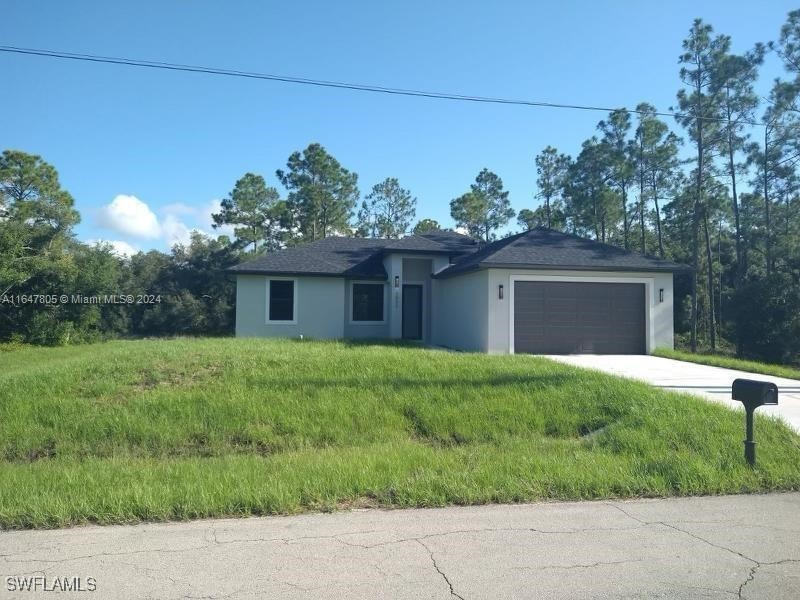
412 312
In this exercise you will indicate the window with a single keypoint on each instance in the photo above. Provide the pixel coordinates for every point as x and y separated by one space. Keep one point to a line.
281 300
367 302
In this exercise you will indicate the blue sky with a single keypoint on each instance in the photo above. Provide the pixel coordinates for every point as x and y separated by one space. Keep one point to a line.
147 153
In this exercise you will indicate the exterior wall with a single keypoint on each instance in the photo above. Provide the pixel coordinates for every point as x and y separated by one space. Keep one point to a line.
324 304
365 330
393 263
410 268
460 306
418 271
319 302
463 313
659 327
439 263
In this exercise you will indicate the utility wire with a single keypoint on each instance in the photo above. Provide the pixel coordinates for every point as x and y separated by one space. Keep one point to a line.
331 84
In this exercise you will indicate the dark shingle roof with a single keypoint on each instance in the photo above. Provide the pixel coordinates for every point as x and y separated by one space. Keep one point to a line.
414 243
539 248
352 257
328 256
548 249
456 243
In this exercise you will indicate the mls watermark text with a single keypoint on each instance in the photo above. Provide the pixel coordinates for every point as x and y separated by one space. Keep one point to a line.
40 583
56 299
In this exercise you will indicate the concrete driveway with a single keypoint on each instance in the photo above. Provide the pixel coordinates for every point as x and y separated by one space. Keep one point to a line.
713 383
712 547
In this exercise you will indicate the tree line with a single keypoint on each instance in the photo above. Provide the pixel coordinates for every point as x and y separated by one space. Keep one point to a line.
727 206
714 186
322 200
43 267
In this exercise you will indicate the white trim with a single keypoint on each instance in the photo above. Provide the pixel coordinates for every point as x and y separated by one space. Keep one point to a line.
294 301
649 285
350 320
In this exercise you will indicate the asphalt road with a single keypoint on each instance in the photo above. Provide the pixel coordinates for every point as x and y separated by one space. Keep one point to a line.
712 547
711 383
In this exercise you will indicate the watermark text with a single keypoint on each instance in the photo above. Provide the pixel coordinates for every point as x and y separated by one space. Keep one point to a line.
40 583
81 299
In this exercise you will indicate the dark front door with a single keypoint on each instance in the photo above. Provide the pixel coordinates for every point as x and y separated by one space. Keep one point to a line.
412 312
572 318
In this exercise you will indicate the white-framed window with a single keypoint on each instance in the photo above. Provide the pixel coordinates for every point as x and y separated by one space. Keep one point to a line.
367 302
282 301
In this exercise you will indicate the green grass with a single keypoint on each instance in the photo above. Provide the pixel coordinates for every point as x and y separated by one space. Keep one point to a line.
175 429
716 360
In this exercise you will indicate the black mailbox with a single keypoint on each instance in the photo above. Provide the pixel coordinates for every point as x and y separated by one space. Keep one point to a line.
752 394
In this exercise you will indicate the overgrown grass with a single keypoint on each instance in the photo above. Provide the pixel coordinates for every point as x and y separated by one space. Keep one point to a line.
175 429
729 362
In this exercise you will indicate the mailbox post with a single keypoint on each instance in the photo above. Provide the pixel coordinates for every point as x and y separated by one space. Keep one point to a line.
752 394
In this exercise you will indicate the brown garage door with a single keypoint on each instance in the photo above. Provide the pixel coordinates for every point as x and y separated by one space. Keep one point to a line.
568 318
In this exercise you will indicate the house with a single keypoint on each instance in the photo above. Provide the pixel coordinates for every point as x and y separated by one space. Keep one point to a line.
540 291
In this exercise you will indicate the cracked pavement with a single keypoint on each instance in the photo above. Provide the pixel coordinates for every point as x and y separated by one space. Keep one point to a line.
706 547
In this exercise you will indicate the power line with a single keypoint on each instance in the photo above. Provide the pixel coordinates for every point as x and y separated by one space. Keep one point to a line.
131 62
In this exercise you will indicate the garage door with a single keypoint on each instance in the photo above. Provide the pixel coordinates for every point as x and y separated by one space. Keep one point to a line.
568 318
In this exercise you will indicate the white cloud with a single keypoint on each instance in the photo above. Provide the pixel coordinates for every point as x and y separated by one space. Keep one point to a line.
175 214
121 248
178 208
129 215
175 231
214 207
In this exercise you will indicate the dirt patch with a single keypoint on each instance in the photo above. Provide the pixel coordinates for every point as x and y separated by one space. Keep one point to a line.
47 449
155 378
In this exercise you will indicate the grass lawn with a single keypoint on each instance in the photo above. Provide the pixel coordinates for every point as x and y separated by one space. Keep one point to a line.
176 429
716 360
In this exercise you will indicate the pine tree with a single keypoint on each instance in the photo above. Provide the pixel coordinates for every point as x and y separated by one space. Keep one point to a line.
485 208
322 193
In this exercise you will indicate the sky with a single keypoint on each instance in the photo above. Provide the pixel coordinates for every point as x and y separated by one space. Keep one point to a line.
148 154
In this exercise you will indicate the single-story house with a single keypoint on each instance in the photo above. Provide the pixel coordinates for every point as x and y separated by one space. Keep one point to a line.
540 291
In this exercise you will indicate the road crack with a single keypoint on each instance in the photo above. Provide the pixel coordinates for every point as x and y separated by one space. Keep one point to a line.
593 565
689 533
755 566
481 530
438 570
752 574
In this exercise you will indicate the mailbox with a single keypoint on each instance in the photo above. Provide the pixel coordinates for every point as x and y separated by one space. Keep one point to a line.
752 394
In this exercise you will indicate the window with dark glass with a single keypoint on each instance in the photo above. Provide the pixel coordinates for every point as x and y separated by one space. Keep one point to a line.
367 302
281 300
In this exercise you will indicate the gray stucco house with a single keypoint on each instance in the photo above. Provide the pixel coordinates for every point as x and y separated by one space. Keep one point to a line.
540 291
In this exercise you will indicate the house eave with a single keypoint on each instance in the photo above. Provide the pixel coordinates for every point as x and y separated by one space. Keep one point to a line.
267 273
387 251
586 268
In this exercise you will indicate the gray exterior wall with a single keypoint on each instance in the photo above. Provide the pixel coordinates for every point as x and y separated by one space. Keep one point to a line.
411 268
319 304
418 271
659 327
460 307
463 312
393 263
